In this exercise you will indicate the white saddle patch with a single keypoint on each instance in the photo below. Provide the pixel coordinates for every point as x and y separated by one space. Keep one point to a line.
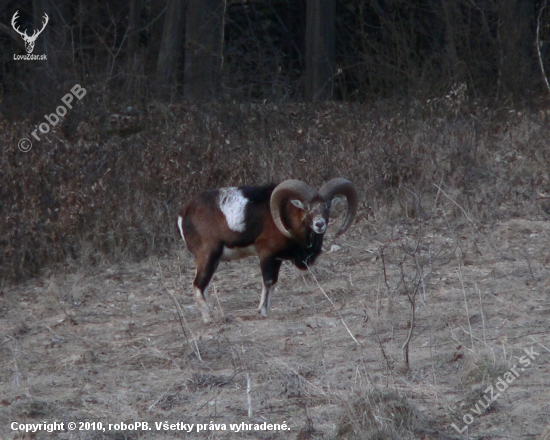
232 203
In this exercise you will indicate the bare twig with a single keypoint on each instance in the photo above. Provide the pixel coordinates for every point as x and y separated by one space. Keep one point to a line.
15 350
382 255
333 305
248 395
208 402
538 49
218 299
164 394
460 207
183 321
529 264
478 339
459 273
543 346
405 346
9 31
372 323
321 341
482 314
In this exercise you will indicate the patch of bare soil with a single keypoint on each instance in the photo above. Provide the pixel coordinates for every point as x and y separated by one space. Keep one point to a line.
107 345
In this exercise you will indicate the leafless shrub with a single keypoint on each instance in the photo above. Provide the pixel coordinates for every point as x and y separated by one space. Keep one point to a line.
380 414
113 193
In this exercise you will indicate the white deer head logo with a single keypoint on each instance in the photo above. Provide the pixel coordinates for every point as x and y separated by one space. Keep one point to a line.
29 40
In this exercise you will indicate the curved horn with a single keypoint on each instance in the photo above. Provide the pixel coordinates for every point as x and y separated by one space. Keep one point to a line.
339 186
282 193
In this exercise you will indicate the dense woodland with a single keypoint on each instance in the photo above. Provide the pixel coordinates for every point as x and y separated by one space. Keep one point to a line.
130 52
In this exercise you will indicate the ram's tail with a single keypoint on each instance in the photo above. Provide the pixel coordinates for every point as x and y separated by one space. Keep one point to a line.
180 227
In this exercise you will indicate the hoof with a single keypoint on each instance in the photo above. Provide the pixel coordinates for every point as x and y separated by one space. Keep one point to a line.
206 317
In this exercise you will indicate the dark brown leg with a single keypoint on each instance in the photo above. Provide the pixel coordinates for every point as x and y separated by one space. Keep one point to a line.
270 274
205 270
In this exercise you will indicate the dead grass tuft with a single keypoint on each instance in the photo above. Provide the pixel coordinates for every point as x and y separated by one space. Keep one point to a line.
380 414
484 369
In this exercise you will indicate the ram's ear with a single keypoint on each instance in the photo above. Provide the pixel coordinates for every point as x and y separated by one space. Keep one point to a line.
298 204
335 201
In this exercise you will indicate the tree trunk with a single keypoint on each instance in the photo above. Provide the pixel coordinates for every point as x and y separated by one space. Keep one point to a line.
204 49
516 37
171 45
452 65
320 68
41 7
133 26
154 37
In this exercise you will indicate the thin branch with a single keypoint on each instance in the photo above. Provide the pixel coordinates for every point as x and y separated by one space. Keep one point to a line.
9 31
164 394
333 305
538 49
248 395
183 321
461 208
460 277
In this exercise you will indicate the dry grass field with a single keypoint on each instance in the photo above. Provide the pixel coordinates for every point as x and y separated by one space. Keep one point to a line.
98 325
106 343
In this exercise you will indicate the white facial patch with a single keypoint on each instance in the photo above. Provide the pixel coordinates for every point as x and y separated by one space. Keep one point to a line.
319 225
232 203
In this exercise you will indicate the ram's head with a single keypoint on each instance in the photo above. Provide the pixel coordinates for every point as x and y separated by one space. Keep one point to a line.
313 207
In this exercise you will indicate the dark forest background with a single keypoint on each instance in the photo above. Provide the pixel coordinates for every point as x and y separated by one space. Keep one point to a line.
130 52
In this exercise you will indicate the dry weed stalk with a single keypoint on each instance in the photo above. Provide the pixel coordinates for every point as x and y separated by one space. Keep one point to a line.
410 325
538 43
460 207
461 278
543 346
419 281
248 395
546 434
482 315
333 305
214 288
368 319
181 316
164 393
321 339
14 350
